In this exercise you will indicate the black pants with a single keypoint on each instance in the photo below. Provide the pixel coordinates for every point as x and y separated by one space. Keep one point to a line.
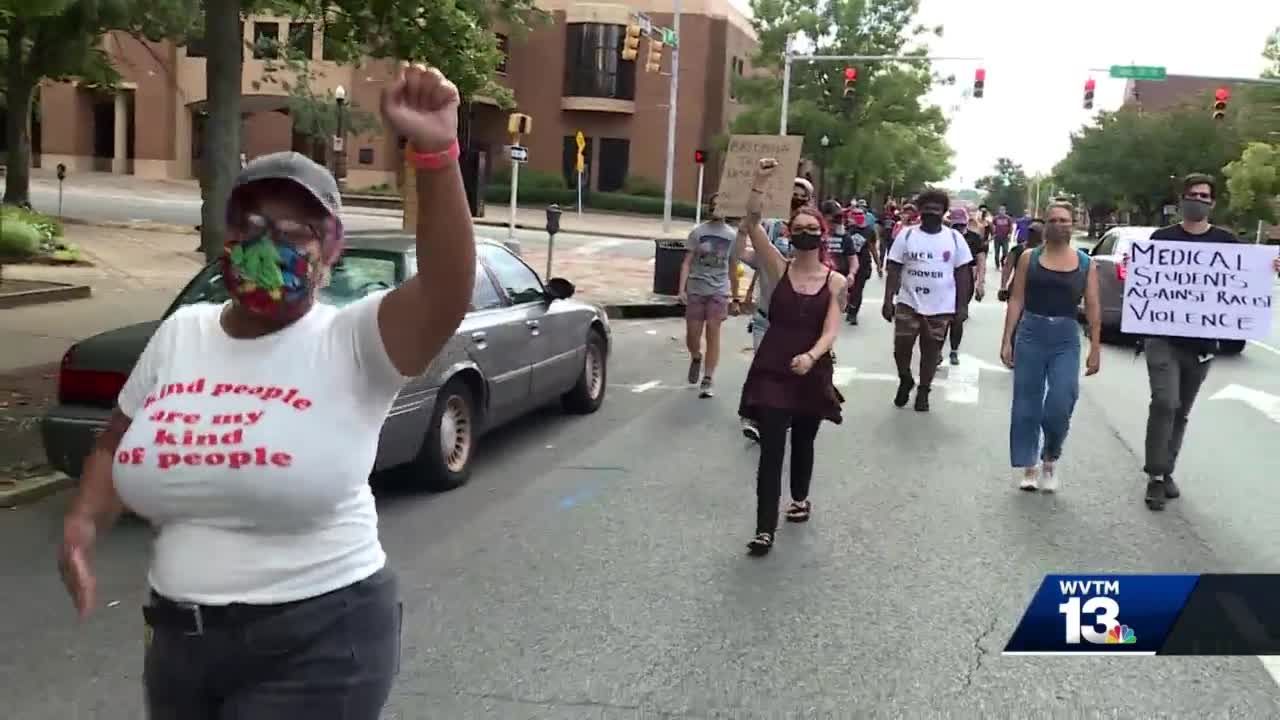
1001 249
773 445
331 657
856 291
1176 374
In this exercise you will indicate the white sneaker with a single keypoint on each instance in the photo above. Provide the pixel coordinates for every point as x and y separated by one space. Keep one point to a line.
1025 482
1050 477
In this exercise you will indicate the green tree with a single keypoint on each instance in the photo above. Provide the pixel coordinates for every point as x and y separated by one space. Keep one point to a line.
1253 183
1008 186
55 40
887 138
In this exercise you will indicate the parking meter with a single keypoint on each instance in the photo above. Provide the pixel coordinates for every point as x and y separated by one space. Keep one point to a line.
553 227
62 175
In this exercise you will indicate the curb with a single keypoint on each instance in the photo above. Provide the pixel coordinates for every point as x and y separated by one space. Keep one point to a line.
144 226
29 490
563 230
45 295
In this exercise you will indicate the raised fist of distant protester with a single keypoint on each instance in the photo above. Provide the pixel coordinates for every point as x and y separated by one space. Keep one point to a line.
421 105
755 200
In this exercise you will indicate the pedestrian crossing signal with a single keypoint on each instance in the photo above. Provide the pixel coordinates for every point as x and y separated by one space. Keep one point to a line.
654 63
979 82
700 156
631 44
1220 98
1088 94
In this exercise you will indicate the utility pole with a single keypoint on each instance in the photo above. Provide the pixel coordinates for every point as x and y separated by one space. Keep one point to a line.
671 118
788 59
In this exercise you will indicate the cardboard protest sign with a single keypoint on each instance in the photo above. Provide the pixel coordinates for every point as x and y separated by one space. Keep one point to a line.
1217 291
740 162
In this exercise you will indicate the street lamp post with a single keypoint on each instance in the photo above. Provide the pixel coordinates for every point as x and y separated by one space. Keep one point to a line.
340 137
822 172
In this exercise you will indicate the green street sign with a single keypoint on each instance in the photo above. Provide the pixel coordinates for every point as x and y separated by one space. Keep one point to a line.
1138 72
669 37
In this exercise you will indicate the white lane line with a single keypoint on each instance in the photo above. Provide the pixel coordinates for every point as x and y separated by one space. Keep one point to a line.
595 247
1271 663
844 375
646 386
1264 346
962 382
1263 402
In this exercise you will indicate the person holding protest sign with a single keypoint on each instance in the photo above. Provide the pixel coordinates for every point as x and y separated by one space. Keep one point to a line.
927 288
789 386
1178 366
709 291
776 230
1041 312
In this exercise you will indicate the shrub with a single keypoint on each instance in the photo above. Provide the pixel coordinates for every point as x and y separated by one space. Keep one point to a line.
49 228
18 238
500 195
529 179
643 186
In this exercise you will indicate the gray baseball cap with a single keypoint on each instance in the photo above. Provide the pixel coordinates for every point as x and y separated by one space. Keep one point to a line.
307 173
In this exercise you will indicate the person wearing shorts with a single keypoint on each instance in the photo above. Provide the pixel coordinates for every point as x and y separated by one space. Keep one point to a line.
709 291
928 280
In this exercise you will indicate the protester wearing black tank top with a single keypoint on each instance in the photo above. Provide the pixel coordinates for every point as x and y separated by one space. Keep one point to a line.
1047 289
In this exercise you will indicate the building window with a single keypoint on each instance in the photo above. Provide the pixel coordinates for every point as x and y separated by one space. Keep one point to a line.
593 64
300 34
570 163
615 153
736 68
266 40
329 44
504 47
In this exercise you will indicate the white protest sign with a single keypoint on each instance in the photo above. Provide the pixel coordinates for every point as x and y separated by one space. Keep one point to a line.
1219 291
740 162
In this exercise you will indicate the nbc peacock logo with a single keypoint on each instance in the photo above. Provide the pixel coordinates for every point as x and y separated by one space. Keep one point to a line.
1121 635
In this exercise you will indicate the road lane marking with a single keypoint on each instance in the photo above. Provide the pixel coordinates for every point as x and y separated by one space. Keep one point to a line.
1263 402
595 247
962 382
1264 346
646 386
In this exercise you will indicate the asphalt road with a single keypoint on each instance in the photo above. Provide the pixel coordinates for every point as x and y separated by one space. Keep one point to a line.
595 567
175 207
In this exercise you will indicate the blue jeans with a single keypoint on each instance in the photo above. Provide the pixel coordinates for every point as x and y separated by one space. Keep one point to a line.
1046 383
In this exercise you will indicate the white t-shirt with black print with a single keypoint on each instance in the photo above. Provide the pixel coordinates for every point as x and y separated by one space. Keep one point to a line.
929 262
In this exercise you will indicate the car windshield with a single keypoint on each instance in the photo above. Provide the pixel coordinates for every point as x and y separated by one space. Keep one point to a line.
355 275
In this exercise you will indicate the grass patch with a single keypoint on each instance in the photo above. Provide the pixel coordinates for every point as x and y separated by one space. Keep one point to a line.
28 235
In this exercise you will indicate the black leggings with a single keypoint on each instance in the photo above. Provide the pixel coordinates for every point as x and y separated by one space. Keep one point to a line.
773 445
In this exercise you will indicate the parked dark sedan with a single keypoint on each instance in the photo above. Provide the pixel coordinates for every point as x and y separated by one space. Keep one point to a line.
523 345
1112 257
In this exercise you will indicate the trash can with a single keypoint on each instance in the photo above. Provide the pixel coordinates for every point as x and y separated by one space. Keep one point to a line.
668 256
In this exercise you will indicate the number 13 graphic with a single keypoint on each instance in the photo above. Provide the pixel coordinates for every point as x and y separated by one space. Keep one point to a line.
1105 612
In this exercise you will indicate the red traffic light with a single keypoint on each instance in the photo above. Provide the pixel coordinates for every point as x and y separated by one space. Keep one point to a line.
1221 94
699 156
980 75
850 73
1089 85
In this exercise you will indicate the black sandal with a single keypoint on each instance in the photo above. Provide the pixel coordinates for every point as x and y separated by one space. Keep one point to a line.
761 544
799 511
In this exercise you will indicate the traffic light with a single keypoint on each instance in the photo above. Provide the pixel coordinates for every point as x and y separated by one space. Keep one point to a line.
850 77
979 82
631 43
654 63
1220 97
700 156
1088 94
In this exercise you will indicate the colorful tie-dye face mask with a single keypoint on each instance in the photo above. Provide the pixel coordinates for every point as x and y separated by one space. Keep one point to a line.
268 271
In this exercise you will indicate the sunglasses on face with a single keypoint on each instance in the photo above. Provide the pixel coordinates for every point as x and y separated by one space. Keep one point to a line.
292 232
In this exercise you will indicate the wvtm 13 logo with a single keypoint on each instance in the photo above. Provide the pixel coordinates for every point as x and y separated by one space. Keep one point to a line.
1082 617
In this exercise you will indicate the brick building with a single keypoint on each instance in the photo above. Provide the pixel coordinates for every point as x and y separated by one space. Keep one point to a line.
567 74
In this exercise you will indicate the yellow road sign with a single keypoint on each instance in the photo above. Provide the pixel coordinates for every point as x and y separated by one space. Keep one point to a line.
582 143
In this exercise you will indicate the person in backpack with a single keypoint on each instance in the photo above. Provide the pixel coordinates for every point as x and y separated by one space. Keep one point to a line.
927 287
1047 288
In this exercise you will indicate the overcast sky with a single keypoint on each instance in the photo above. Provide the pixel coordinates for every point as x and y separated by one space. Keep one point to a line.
1037 54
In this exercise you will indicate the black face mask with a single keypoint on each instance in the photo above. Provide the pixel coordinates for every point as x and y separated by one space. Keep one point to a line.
806 240
931 222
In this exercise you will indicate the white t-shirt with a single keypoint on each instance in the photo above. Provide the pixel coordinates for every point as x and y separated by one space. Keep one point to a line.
252 457
929 262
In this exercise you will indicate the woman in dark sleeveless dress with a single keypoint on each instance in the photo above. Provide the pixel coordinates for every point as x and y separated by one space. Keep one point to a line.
789 386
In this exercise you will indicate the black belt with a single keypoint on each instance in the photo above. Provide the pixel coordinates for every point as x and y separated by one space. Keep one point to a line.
193 619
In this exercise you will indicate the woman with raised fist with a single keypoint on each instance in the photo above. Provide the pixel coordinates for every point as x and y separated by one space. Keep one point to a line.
270 596
789 386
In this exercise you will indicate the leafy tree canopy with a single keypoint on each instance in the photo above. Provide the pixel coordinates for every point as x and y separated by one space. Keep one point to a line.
888 138
1008 186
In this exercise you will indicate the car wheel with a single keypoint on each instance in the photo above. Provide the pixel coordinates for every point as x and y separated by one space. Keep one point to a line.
588 394
444 462
1231 347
